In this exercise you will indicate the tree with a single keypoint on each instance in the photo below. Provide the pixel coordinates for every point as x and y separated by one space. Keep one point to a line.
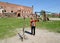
59 15
44 15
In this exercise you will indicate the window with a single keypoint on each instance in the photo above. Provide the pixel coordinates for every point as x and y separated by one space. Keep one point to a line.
12 11
3 10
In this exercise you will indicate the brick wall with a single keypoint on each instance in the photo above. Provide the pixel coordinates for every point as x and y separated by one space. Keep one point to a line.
22 10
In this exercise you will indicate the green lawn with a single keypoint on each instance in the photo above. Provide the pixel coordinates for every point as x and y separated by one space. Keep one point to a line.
50 25
8 25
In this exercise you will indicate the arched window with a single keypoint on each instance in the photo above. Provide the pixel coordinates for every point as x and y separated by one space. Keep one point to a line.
11 11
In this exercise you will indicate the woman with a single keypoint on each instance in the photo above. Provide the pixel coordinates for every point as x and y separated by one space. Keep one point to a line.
33 25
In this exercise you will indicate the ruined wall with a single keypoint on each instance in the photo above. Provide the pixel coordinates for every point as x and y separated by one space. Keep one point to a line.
18 9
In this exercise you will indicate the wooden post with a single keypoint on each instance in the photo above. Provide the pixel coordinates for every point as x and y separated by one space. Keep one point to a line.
23 28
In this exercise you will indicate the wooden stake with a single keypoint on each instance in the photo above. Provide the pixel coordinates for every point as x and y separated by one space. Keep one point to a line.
24 28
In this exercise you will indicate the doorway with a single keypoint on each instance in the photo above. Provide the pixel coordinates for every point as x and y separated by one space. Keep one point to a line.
19 15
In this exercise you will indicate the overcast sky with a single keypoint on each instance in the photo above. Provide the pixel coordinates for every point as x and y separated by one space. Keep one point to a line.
47 5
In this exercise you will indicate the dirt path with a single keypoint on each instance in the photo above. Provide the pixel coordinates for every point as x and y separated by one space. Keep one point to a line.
54 18
42 36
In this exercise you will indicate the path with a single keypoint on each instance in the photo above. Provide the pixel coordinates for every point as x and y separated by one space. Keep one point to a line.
54 18
42 36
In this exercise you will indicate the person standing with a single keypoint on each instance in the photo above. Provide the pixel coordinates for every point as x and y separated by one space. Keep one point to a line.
33 25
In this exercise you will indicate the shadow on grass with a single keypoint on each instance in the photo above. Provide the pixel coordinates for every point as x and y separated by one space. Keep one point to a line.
58 31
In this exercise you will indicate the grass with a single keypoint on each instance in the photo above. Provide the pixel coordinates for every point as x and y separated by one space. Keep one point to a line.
9 25
50 25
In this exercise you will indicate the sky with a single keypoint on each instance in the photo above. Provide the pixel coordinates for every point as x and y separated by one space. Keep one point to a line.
47 5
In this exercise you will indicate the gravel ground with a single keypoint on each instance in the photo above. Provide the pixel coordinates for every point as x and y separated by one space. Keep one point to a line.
42 36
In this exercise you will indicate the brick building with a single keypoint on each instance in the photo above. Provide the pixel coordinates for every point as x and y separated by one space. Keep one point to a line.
18 10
